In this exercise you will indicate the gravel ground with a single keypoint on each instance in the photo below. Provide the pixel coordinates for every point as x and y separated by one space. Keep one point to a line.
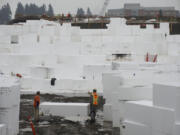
53 125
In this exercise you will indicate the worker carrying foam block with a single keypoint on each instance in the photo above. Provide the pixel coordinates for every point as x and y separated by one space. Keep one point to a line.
36 106
93 104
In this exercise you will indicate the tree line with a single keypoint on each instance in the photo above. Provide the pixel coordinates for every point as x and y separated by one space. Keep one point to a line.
5 14
33 9
28 9
81 12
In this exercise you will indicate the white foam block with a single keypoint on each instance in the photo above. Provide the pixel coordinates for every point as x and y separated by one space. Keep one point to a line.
6 117
16 95
2 129
163 120
94 72
159 133
39 72
66 84
177 108
176 129
116 118
110 83
65 109
117 109
114 82
133 128
165 95
26 83
139 111
132 93
107 110
122 111
15 119
9 92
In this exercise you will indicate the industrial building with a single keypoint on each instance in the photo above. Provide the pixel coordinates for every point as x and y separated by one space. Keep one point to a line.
136 10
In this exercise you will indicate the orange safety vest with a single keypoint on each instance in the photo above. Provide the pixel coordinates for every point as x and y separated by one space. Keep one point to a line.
95 99
36 99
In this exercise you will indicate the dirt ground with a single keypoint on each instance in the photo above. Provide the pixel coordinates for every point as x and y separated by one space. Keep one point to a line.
53 125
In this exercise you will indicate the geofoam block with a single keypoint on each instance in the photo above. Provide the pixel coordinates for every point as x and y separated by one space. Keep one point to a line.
176 129
15 119
164 95
177 108
159 133
107 110
94 72
117 109
110 83
139 111
122 111
66 84
116 118
160 119
2 129
134 128
6 117
41 72
26 83
11 92
135 93
114 82
163 120
65 109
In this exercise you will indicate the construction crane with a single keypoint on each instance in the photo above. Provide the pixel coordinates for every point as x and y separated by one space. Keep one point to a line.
103 10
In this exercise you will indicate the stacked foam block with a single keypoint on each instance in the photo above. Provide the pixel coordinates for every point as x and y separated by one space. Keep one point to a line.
2 129
9 106
158 117
73 85
117 89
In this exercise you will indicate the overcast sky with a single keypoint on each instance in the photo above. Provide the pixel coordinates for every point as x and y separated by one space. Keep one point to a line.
65 6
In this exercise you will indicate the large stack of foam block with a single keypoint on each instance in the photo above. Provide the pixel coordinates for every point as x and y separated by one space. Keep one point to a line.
157 117
66 49
168 97
9 105
131 81
123 85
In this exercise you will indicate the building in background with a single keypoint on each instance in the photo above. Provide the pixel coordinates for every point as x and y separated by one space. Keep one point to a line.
136 10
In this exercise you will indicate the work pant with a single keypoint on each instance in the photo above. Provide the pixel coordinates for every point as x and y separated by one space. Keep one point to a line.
93 108
36 114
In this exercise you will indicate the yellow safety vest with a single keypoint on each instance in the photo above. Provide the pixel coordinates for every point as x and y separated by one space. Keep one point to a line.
95 99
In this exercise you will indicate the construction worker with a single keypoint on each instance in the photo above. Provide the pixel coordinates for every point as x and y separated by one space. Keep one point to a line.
36 106
93 104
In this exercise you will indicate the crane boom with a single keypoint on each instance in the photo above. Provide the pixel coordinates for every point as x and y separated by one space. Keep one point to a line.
103 10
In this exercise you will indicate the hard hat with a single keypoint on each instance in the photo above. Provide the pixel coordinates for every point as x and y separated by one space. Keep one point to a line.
94 90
